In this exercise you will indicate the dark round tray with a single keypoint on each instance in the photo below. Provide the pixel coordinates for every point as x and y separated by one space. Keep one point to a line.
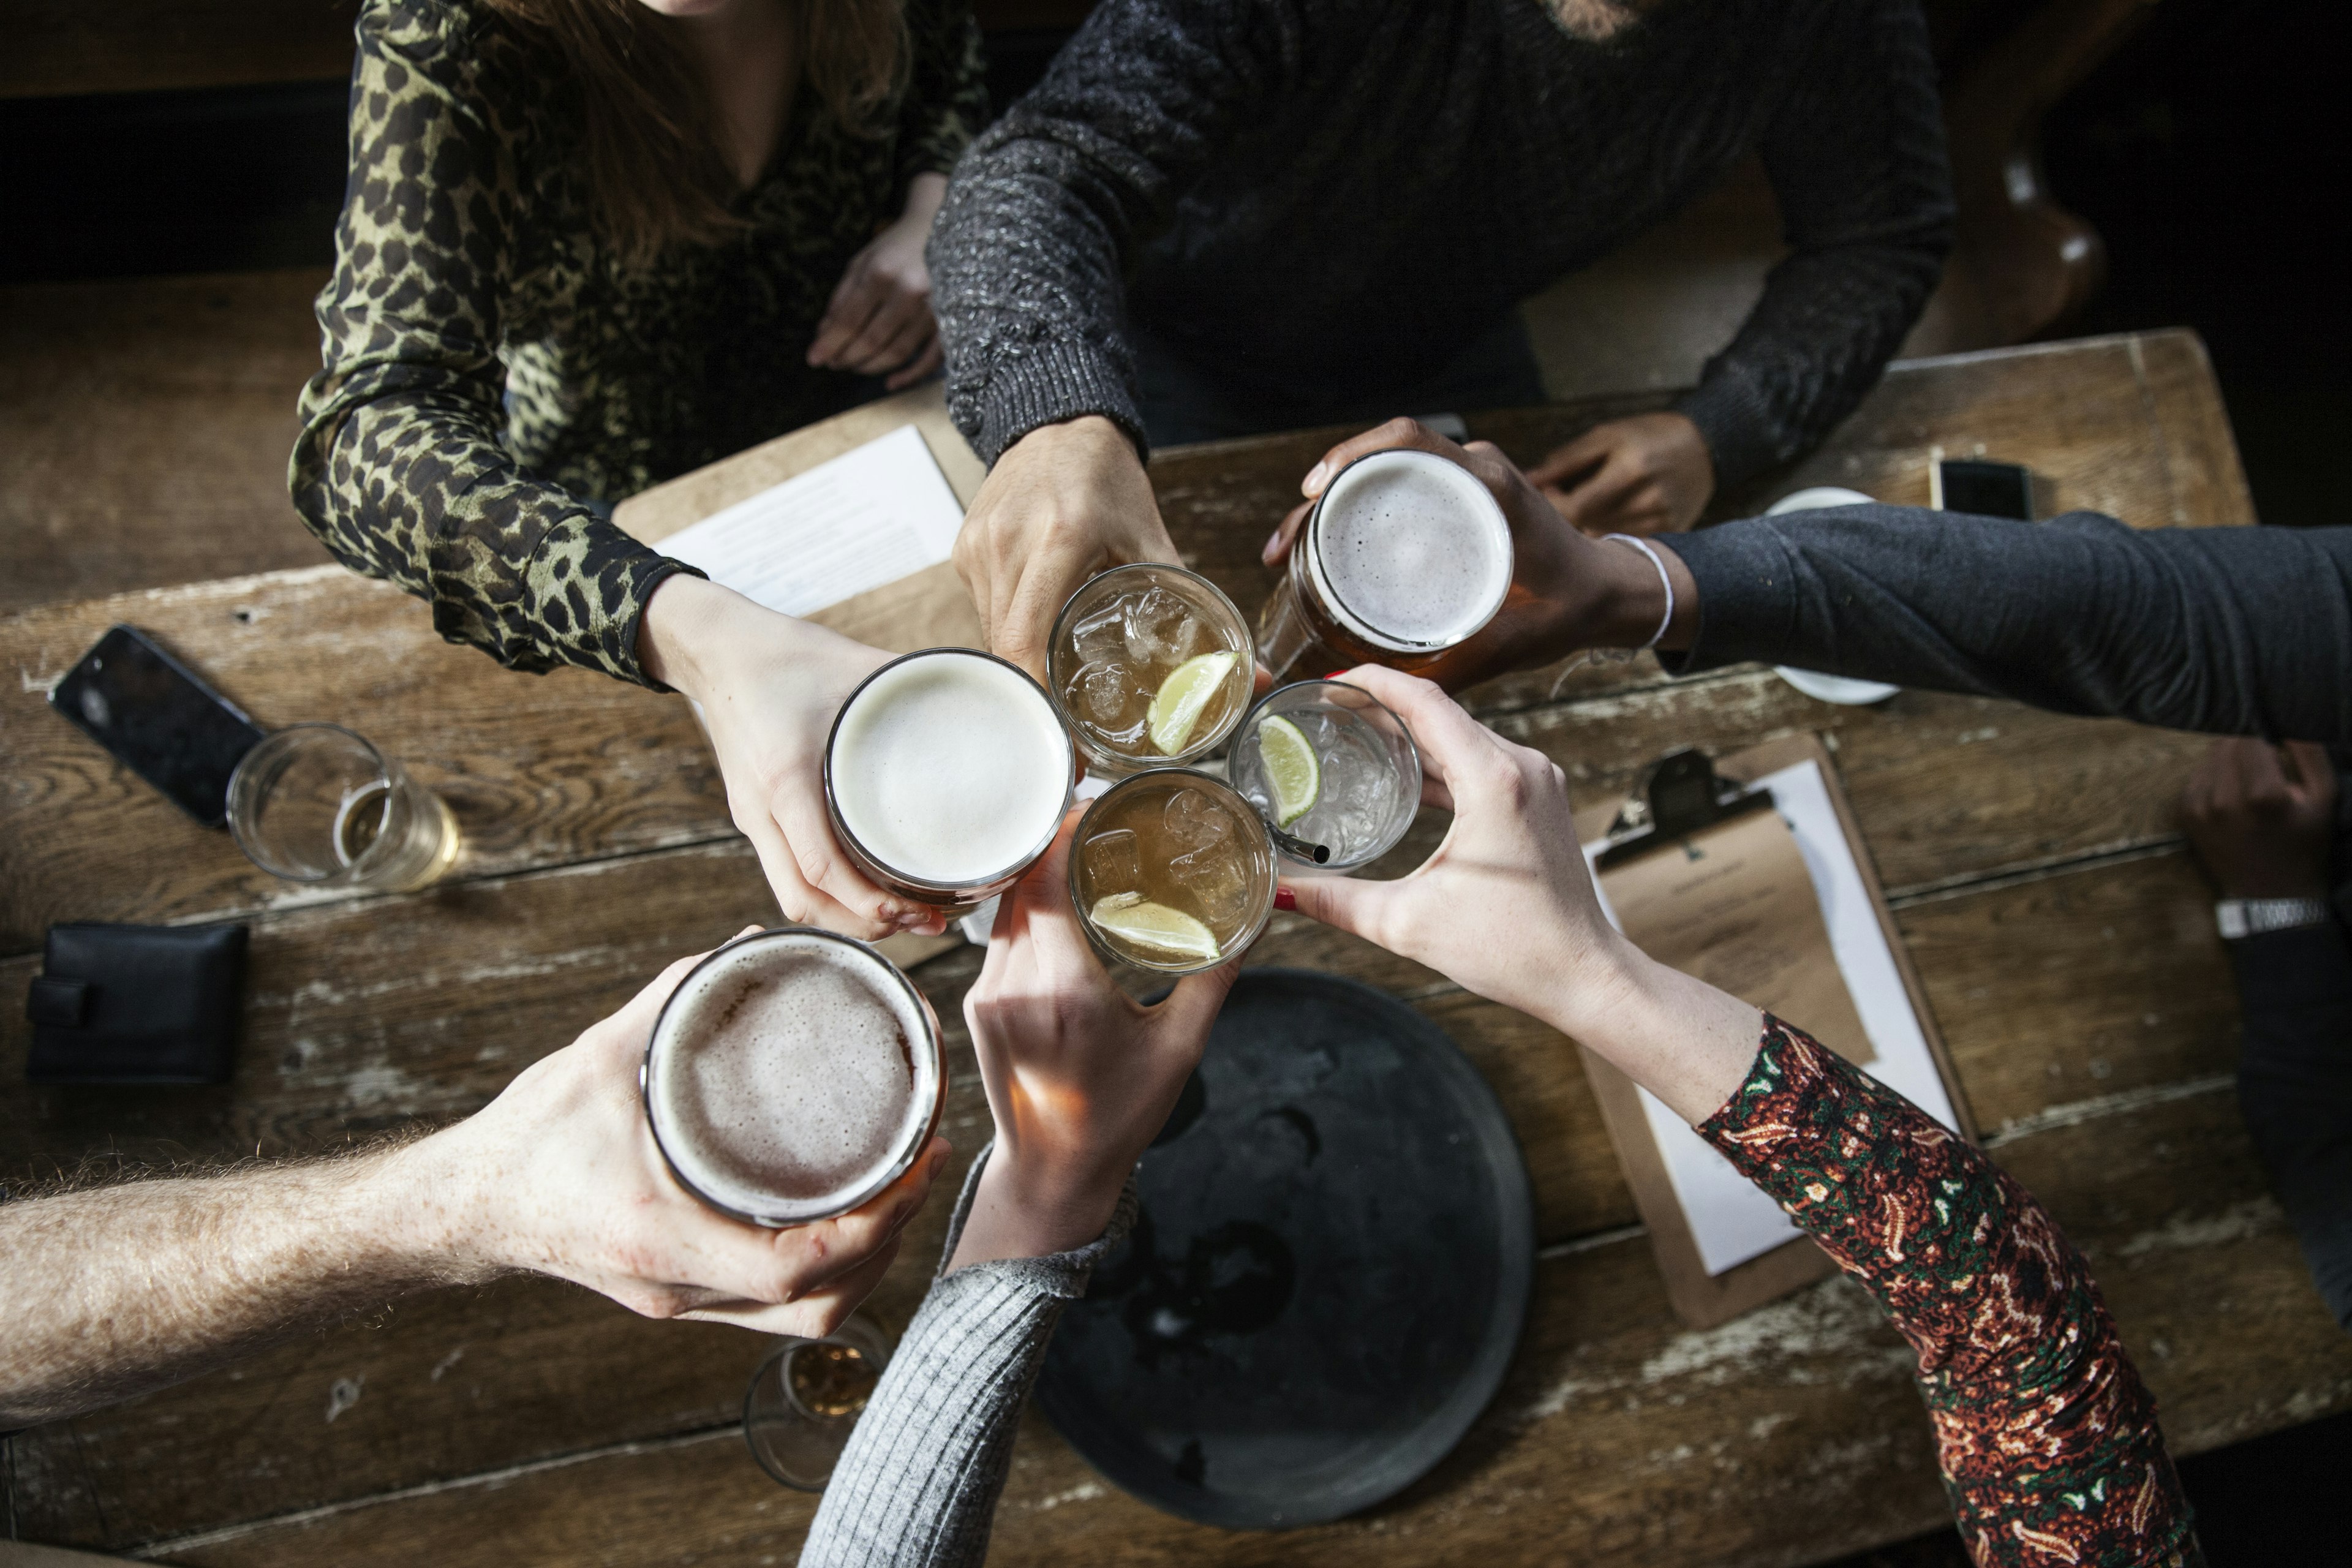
1330 1277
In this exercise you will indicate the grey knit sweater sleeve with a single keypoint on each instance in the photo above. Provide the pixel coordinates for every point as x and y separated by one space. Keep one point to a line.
1855 153
2229 630
917 1486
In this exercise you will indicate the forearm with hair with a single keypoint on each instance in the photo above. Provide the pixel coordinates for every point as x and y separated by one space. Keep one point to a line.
115 1292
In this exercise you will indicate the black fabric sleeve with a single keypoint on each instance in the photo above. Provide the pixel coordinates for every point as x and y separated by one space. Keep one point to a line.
1855 152
1046 212
2240 631
2294 1085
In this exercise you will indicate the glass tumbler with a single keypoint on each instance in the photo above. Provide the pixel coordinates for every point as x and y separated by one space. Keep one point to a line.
805 1399
1366 771
317 804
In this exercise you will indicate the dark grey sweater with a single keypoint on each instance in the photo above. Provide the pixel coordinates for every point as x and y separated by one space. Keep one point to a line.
1340 194
2234 631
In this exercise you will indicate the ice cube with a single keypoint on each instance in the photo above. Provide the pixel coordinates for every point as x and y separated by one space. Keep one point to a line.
1193 820
1162 629
1114 863
1101 633
1212 874
1108 696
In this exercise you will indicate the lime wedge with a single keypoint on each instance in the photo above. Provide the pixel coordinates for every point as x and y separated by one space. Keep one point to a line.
1292 772
1185 695
1154 926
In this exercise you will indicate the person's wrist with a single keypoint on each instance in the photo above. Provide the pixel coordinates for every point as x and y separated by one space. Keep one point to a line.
1589 980
1052 1202
674 631
427 1202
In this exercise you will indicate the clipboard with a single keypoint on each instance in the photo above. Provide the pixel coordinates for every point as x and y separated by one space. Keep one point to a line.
1709 797
924 609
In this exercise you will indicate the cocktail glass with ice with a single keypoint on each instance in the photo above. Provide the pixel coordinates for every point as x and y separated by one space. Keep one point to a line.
1150 665
1328 763
1172 871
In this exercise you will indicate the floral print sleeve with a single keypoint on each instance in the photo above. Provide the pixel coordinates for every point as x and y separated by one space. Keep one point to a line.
2047 1439
400 467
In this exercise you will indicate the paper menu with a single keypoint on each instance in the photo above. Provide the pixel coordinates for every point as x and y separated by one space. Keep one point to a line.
876 514
1730 1220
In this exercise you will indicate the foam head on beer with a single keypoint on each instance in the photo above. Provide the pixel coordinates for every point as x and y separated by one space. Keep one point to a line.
791 1077
1413 552
950 767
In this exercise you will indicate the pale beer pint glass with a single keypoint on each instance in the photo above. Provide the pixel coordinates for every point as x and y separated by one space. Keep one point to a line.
1172 871
1405 557
1151 665
792 1076
946 774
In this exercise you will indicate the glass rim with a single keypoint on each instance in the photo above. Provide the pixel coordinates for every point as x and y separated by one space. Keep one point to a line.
962 886
1242 942
387 773
1310 554
1190 753
859 1324
898 1167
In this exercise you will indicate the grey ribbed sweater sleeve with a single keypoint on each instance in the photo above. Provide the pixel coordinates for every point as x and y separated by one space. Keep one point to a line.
919 1482
1857 163
2244 631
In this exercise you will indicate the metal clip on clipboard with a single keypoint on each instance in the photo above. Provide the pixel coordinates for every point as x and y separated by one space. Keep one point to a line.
1682 794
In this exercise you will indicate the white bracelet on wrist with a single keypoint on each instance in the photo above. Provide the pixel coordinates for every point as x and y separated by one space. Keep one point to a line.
1665 582
2238 918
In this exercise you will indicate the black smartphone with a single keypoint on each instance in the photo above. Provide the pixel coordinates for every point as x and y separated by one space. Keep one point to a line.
1983 489
159 717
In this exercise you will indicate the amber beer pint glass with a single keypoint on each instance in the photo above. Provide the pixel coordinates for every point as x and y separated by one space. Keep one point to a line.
1404 558
792 1076
946 774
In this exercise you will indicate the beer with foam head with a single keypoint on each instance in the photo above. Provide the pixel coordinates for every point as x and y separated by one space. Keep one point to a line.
946 774
792 1076
1403 559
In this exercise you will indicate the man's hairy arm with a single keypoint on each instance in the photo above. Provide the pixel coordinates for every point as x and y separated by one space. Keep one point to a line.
117 1291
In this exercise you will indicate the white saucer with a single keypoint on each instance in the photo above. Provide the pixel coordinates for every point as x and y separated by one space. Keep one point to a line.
1842 689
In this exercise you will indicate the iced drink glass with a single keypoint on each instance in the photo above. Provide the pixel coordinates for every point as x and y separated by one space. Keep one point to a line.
1172 871
1151 665
1328 763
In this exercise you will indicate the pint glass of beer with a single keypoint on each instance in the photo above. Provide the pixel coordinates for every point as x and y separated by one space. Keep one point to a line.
792 1076
1404 558
1172 871
1151 666
946 774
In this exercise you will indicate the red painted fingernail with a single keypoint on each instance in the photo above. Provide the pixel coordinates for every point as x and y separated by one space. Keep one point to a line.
1335 674
1284 899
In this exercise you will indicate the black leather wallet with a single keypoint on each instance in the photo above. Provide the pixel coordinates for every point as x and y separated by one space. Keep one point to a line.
136 1004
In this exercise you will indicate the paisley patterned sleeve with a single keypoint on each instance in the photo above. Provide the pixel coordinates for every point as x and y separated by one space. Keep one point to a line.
947 91
399 468
2047 1439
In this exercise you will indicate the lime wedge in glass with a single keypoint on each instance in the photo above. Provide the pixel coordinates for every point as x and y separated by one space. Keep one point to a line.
1185 695
1154 926
1287 758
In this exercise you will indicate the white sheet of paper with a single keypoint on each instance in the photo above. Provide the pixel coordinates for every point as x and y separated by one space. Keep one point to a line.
868 517
1731 1220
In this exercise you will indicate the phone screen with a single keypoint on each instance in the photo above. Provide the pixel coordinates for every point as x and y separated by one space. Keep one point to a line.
1985 490
163 722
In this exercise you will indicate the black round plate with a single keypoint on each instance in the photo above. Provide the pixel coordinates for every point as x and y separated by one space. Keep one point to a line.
1330 1277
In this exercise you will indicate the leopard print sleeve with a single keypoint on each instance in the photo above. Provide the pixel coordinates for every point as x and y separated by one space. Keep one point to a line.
2047 1439
399 467
947 91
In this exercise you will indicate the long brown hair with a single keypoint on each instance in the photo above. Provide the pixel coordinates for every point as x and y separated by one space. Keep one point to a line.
651 150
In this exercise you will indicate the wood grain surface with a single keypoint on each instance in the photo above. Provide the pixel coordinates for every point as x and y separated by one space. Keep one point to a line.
2063 938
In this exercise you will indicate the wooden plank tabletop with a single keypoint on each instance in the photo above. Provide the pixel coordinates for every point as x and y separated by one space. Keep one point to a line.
2061 930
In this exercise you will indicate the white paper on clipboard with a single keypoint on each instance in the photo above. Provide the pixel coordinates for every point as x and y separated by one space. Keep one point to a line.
1730 1219
875 515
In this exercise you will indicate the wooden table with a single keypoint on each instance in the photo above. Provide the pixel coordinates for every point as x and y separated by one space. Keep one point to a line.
2063 933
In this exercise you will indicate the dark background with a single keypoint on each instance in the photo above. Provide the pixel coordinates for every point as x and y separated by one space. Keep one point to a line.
2210 151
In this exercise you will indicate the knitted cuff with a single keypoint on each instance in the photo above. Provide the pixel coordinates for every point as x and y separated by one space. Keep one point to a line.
1061 1274
1732 418
1048 383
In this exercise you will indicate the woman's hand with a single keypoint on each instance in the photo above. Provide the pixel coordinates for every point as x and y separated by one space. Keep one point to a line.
1080 1079
1648 474
559 1176
770 686
1568 591
1506 908
880 315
